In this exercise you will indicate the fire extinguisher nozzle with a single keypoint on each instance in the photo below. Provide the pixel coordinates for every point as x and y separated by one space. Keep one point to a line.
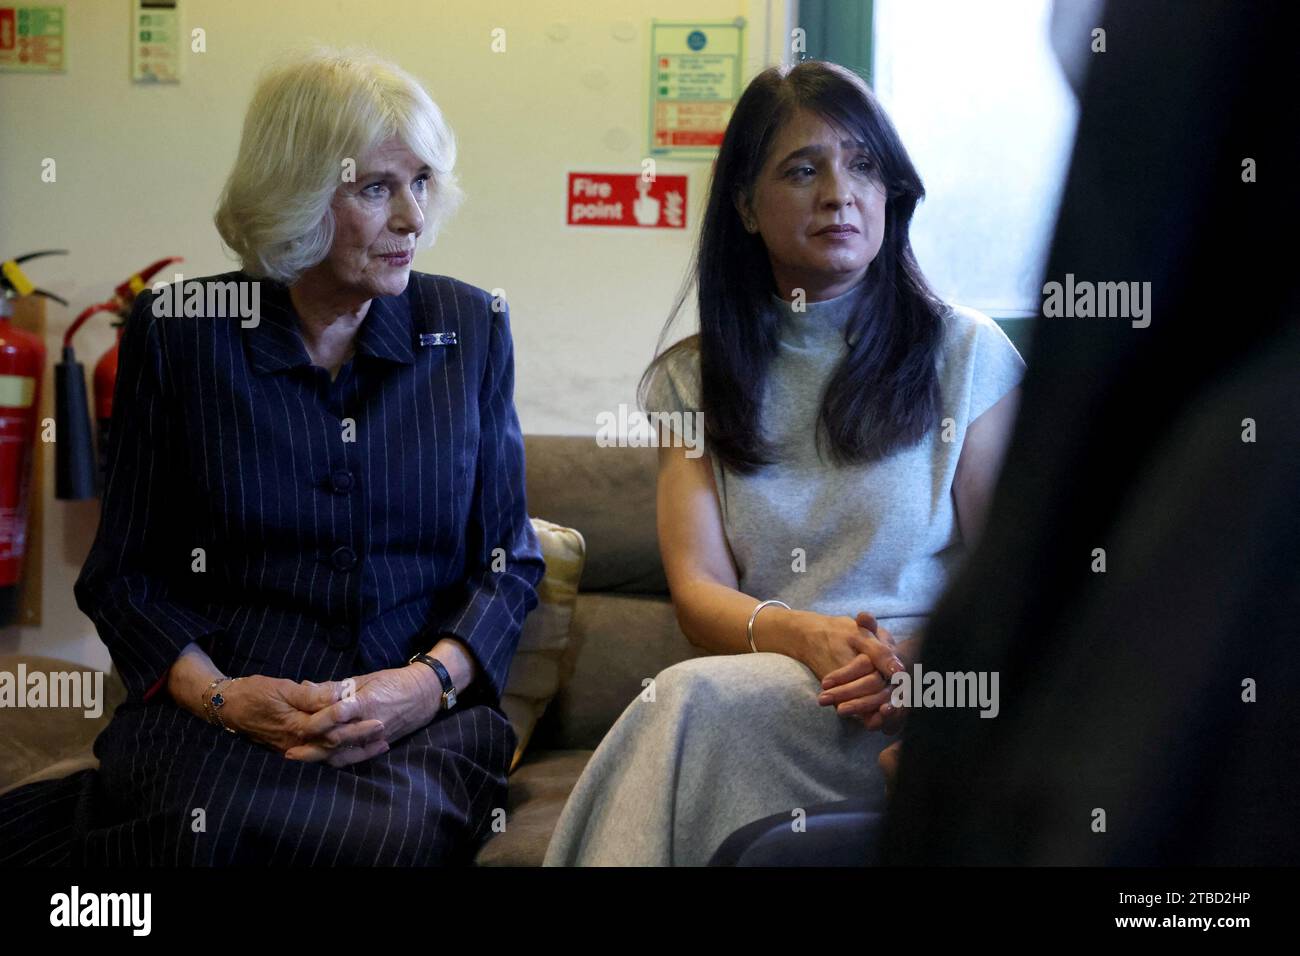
74 451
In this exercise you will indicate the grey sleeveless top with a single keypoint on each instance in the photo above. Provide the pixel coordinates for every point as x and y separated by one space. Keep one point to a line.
881 537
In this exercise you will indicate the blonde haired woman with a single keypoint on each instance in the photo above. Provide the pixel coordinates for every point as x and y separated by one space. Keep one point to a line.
323 685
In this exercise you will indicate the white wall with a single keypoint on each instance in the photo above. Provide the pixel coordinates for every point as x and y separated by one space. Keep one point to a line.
140 169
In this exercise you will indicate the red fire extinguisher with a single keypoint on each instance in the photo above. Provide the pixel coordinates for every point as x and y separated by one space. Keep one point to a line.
22 363
80 461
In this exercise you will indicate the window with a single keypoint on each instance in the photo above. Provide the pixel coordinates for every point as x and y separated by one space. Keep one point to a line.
987 115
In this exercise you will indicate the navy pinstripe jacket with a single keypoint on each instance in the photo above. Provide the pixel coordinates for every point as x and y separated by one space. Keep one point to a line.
308 529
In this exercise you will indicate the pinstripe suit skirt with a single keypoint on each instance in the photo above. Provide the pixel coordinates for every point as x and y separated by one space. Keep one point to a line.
174 790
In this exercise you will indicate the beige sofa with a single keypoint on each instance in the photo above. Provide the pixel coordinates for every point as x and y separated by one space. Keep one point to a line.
623 622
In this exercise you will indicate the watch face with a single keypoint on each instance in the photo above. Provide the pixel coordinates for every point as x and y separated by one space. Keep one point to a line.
450 697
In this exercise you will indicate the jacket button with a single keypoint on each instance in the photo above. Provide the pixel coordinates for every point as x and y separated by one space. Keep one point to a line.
341 482
344 558
340 637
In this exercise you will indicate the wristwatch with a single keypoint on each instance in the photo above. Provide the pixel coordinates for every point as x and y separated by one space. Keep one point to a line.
448 688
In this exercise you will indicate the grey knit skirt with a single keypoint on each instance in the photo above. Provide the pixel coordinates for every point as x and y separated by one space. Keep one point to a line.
715 743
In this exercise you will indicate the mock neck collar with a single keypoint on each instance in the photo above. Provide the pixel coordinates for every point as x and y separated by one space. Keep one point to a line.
819 323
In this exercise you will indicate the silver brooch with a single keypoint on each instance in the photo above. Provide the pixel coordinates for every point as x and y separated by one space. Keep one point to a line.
437 338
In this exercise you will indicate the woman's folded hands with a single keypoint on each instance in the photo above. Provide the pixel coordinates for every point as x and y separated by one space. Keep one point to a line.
338 722
286 715
861 687
370 712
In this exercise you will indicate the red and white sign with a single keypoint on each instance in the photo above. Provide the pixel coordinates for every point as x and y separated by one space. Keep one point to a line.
627 199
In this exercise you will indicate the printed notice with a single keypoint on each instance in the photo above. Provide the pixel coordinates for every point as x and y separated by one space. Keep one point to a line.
626 199
694 85
155 42
33 39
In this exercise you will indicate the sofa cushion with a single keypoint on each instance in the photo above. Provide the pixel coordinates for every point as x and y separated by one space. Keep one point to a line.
544 659
46 743
625 640
538 791
86 760
607 493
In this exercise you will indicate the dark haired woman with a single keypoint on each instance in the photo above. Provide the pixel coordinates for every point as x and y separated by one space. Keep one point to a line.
854 424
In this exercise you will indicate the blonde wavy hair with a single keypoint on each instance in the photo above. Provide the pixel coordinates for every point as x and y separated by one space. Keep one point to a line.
308 116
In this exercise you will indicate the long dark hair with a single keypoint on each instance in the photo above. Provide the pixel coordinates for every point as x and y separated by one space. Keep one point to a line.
884 395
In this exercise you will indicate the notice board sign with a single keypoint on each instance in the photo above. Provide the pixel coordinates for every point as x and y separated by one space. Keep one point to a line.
33 39
626 199
694 85
155 42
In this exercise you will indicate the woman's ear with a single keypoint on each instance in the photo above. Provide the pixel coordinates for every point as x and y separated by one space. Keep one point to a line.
743 207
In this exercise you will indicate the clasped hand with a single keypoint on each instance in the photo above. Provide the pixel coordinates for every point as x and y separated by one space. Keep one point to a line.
862 687
338 722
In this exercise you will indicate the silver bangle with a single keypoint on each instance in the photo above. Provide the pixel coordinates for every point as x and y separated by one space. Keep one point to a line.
750 628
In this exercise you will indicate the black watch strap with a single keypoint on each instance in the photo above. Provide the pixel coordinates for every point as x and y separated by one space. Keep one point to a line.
444 678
